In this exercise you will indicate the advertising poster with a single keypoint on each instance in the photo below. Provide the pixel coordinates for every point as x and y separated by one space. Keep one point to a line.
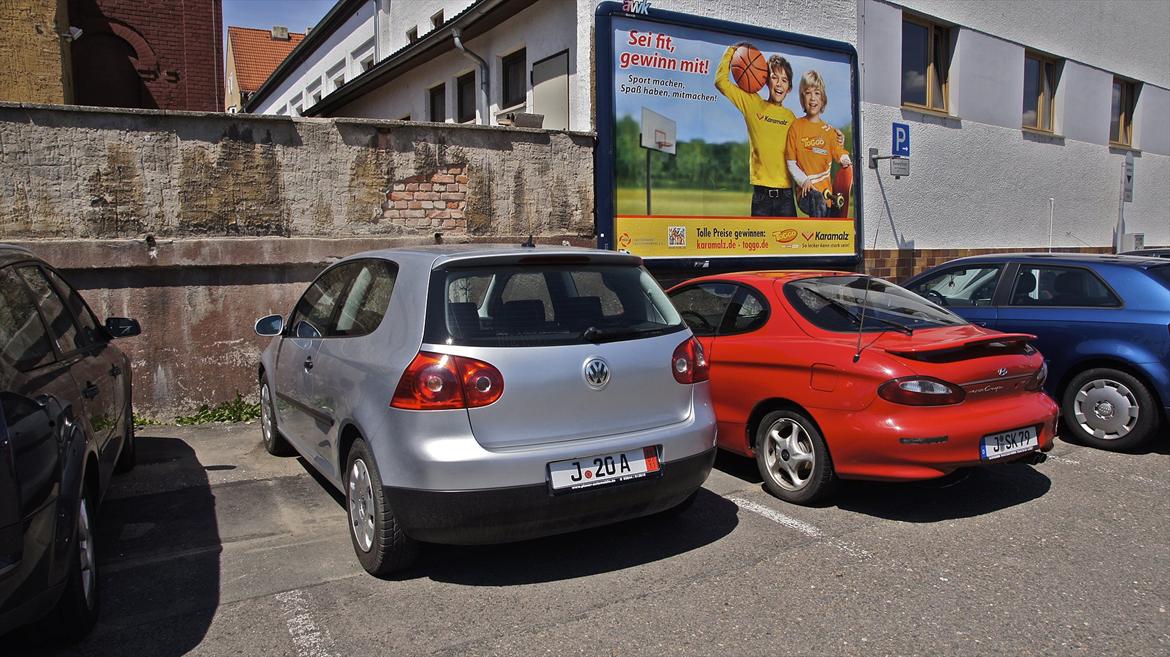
730 145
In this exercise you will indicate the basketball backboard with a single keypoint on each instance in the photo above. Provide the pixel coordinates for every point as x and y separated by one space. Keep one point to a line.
658 132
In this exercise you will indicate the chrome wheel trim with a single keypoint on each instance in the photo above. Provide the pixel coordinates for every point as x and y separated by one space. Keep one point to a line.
1106 409
361 505
789 454
266 414
87 554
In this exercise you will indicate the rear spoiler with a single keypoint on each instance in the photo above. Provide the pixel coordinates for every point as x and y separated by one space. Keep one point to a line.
995 340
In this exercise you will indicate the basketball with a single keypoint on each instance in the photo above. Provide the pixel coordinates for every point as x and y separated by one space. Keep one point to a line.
749 69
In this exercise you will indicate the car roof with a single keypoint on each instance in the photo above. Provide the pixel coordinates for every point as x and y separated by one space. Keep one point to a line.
436 255
10 253
1061 258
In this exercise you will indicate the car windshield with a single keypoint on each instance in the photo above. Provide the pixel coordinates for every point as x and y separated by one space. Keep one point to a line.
537 305
834 303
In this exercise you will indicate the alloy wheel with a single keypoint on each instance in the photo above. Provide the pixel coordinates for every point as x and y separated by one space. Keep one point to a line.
266 414
361 505
788 454
86 553
1106 409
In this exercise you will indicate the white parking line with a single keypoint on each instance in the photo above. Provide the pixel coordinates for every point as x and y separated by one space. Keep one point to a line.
776 517
310 641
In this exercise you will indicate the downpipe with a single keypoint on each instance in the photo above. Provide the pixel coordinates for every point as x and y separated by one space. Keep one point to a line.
457 35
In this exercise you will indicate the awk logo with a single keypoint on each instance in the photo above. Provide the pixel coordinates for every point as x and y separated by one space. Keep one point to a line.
636 6
767 119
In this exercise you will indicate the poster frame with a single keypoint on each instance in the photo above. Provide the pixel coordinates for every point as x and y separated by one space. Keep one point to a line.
605 181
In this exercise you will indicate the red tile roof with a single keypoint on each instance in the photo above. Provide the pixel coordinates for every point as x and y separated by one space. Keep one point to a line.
257 54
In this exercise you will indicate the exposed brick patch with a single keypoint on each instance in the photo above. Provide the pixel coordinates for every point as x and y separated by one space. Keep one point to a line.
432 201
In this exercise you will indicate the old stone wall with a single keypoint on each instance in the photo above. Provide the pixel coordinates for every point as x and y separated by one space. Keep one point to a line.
197 224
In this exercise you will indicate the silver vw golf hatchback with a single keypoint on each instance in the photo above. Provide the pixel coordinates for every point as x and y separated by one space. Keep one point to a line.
475 394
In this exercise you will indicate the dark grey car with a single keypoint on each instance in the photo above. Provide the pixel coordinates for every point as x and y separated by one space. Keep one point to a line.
473 394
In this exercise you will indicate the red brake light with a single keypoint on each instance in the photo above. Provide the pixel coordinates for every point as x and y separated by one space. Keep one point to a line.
689 363
442 381
921 391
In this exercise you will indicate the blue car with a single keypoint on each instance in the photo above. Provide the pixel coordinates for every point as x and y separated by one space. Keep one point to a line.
1102 322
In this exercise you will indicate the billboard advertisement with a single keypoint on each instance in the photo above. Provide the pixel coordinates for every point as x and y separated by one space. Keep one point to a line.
719 140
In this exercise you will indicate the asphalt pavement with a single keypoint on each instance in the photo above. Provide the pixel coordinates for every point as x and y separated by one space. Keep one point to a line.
213 547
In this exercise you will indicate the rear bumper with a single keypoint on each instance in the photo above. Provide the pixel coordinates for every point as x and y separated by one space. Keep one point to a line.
470 517
892 442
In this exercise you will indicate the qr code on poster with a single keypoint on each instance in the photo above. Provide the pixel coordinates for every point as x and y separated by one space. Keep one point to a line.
676 236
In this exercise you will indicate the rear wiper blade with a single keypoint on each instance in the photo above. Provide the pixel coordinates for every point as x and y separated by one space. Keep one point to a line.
889 322
594 334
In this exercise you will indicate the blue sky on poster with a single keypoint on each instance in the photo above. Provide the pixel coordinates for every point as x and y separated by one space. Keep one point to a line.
720 121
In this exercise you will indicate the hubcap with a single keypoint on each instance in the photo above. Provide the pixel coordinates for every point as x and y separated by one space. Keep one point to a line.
1106 409
266 414
86 552
361 505
788 454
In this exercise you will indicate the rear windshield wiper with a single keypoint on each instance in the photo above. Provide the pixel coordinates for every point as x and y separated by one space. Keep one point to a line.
857 319
594 334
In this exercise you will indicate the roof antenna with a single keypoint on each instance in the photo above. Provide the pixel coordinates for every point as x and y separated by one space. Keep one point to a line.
529 244
865 297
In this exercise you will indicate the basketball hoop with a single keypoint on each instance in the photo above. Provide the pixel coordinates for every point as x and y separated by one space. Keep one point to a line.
661 139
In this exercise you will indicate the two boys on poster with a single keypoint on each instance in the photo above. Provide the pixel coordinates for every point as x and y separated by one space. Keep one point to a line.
810 144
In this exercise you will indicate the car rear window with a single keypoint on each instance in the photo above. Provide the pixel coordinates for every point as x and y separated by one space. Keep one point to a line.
835 303
536 305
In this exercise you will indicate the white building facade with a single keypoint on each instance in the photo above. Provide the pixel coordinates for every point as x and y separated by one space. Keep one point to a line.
1021 114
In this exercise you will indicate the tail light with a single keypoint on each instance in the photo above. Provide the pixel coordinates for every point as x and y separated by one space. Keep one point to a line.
689 363
921 391
442 381
1036 382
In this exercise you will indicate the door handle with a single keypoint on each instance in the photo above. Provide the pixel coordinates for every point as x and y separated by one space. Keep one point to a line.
115 371
309 363
90 391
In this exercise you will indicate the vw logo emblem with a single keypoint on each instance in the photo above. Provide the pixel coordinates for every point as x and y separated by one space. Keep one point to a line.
1002 371
596 373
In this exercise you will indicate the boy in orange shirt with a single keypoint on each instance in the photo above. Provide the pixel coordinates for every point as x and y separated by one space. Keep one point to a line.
813 146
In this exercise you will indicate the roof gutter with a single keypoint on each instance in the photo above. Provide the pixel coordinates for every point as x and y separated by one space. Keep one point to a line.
432 45
457 35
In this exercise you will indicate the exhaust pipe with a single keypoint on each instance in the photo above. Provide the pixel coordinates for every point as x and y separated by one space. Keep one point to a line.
1038 458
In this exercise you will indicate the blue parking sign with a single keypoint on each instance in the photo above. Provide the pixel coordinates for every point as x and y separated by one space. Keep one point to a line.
901 145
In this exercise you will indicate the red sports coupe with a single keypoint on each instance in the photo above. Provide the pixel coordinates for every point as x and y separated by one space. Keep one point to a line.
826 375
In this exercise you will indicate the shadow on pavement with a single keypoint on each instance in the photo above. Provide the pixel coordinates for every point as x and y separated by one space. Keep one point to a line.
159 559
579 554
740 467
964 493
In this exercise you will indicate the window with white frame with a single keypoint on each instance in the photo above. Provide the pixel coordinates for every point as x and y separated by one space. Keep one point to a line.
437 103
1121 115
514 90
336 76
465 98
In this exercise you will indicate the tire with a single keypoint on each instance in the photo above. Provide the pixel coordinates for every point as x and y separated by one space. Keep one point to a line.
77 610
378 540
793 458
274 443
1109 409
129 456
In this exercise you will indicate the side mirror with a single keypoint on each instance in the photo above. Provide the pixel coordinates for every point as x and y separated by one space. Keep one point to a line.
121 327
270 325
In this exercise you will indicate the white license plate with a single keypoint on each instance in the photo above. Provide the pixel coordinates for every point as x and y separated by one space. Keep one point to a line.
1006 443
604 469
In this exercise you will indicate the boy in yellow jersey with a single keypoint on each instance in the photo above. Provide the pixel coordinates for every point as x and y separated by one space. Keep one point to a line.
767 125
813 146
